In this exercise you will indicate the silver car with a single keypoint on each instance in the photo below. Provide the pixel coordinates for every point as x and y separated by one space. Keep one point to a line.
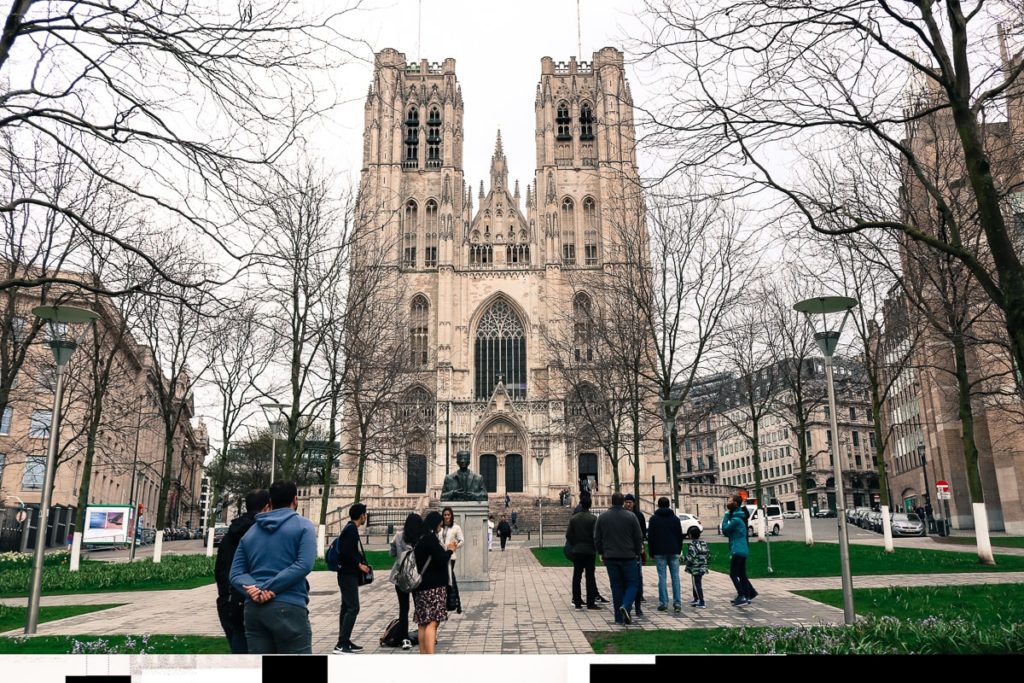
906 524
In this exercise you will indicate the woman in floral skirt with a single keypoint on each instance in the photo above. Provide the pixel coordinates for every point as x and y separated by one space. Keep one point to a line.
431 597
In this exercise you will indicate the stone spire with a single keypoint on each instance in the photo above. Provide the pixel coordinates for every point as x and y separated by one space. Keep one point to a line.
516 193
499 169
481 192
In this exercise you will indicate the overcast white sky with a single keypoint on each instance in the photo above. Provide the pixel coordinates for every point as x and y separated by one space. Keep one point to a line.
497 48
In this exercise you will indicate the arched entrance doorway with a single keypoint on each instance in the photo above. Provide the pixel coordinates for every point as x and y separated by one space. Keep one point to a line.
587 463
500 446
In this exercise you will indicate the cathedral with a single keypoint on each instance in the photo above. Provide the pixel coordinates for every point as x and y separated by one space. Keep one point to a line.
483 275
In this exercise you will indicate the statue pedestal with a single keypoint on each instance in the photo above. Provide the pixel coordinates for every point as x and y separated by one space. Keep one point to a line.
471 568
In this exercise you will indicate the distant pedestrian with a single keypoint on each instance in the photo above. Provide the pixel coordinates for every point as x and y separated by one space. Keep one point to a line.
351 572
404 540
580 536
734 526
665 536
629 503
515 521
431 596
490 532
618 541
508 501
504 532
230 602
698 555
450 531
271 565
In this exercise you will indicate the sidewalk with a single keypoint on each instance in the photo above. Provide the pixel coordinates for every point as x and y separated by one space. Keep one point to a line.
526 611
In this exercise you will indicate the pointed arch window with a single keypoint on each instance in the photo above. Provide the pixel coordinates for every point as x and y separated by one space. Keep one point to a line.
418 335
590 226
412 138
410 227
434 138
500 352
583 324
563 122
568 221
418 405
430 250
586 122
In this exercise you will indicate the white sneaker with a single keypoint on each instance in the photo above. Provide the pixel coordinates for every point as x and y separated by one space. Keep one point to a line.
406 644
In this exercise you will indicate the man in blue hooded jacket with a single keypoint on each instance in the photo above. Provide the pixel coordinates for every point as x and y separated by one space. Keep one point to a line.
270 567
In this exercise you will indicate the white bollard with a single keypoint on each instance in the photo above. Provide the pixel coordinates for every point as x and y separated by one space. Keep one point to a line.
158 546
321 541
887 530
209 542
981 534
76 551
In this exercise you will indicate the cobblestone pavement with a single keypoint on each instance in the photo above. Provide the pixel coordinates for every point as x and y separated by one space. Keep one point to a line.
527 609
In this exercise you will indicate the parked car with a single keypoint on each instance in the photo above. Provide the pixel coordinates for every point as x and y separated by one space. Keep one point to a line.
791 514
856 515
686 521
147 536
219 532
824 512
906 524
875 521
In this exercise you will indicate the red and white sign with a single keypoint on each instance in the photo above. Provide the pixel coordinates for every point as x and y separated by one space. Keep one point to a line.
942 488
20 516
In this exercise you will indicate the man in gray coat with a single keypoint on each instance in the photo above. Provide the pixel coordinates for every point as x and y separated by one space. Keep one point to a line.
619 542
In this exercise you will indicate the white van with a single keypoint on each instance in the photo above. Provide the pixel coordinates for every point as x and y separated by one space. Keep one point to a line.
772 514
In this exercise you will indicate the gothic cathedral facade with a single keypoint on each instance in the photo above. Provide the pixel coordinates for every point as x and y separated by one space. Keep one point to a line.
482 276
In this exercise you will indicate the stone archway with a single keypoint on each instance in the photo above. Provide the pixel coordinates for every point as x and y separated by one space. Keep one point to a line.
504 441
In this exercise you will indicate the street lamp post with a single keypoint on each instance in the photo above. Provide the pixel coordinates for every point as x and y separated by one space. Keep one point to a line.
58 317
828 340
274 412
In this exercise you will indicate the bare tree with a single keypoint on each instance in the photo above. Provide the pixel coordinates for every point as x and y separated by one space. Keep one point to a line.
745 80
179 103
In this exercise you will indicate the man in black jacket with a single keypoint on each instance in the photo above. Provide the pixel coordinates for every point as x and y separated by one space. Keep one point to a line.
352 565
618 541
665 536
629 503
231 603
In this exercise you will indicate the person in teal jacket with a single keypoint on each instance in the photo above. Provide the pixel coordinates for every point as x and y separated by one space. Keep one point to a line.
734 526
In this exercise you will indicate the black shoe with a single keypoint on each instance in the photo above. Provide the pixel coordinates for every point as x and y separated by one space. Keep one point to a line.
594 607
624 613
355 648
578 605
752 596
637 611
601 598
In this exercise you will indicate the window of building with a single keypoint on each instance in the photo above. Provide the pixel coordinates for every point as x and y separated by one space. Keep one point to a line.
856 439
871 439
853 413
56 331
590 227
418 336
563 122
500 352
689 464
410 228
711 462
828 436
412 138
5 421
419 405
430 250
807 438
39 424
517 254
568 220
434 138
583 325
19 328
481 255
3 461
828 413
34 473
586 122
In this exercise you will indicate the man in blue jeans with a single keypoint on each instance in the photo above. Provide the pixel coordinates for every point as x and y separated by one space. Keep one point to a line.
270 567
618 541
665 538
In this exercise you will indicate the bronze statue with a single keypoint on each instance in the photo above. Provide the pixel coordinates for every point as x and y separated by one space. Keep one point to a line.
464 484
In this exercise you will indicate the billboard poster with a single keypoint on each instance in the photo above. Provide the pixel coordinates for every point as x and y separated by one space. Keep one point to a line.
107 524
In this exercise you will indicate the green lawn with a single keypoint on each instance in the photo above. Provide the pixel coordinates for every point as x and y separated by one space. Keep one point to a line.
14 617
120 645
984 605
997 541
793 559
931 619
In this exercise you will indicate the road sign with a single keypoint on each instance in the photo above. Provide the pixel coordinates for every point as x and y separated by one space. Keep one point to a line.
944 495
20 516
942 489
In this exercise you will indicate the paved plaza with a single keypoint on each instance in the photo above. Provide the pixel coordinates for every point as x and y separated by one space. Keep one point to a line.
526 610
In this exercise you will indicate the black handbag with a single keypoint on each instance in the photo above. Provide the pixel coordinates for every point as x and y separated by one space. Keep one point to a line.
453 602
365 578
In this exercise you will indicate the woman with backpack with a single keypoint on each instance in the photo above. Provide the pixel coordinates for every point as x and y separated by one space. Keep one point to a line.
430 598
403 540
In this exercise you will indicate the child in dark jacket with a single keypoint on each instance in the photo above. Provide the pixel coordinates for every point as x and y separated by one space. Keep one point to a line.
697 557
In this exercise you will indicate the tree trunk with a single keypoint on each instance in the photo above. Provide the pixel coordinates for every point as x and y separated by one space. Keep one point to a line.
83 489
966 415
360 467
165 484
804 496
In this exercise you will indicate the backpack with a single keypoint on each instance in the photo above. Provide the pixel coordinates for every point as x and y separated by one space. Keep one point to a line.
404 573
392 635
333 555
